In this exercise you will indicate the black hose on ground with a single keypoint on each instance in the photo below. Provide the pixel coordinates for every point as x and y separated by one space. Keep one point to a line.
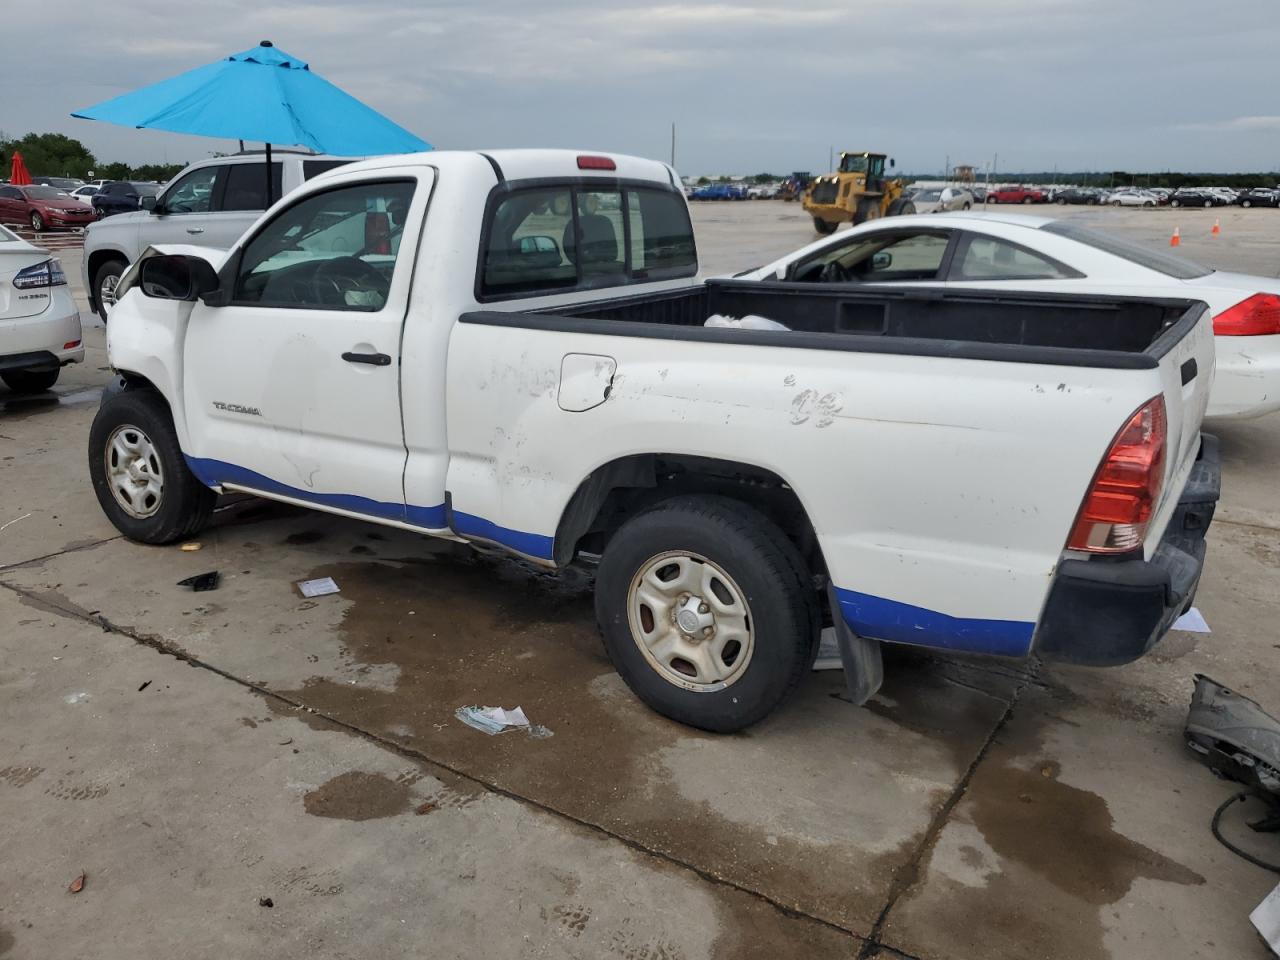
1217 817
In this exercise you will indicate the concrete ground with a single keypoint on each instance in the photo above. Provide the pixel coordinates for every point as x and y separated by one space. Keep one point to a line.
197 756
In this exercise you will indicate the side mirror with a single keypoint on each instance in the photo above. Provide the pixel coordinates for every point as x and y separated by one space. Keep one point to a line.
882 260
149 203
891 161
177 277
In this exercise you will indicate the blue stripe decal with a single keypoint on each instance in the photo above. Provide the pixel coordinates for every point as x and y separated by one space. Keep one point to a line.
530 544
878 618
214 473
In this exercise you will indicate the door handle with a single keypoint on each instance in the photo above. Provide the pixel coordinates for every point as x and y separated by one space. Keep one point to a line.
373 359
195 229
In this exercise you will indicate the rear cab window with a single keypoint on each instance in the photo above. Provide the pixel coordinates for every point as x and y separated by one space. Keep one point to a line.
580 235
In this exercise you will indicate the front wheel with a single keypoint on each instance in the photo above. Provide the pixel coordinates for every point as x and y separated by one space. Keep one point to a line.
1026 199
1246 203
30 381
1208 203
37 221
707 611
104 284
138 472
824 227
900 208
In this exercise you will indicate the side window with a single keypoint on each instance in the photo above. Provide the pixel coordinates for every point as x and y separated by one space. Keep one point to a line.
9 193
988 258
879 258
247 186
193 193
533 245
334 250
312 168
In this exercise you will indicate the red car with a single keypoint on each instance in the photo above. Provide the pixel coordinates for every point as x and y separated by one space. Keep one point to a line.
42 208
1016 195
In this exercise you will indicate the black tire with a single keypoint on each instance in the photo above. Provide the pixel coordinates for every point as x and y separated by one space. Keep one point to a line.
185 504
900 208
1175 203
967 205
37 221
1246 203
1208 203
1061 201
111 270
824 227
769 572
1026 200
30 381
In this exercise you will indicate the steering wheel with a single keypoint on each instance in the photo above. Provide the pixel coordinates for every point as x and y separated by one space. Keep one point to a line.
333 279
833 272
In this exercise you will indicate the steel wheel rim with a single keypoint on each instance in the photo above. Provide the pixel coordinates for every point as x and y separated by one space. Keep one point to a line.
691 621
107 292
133 472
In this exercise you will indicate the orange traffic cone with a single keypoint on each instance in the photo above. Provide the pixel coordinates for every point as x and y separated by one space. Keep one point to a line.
1176 239
1217 227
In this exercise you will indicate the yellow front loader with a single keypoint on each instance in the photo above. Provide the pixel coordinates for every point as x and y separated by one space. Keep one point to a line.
855 193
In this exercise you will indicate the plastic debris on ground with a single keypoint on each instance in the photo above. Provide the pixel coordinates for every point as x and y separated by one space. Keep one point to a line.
318 588
1192 621
1266 920
828 652
495 720
202 582
189 547
76 698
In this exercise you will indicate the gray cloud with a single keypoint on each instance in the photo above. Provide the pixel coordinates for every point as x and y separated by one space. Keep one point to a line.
1077 84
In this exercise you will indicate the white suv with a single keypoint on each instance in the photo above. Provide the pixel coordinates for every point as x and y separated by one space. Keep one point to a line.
210 203
39 322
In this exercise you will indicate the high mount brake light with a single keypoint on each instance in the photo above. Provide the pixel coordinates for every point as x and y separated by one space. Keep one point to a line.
1126 488
596 163
1259 315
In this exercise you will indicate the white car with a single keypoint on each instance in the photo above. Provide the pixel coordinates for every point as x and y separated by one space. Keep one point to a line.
1132 198
1016 252
512 348
39 323
941 199
84 194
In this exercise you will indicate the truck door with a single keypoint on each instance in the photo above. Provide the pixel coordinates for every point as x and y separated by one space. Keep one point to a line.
875 174
292 387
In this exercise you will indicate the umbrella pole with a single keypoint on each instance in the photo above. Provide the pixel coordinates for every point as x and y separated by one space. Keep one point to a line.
270 199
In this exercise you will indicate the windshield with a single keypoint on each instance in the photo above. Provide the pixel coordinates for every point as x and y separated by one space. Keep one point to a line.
1179 268
853 164
43 193
6 236
929 196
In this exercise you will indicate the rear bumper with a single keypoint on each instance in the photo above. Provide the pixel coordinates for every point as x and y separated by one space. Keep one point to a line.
1102 613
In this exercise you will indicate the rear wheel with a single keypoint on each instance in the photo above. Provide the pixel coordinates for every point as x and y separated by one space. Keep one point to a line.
1246 203
707 611
1026 199
104 285
37 221
1208 203
1061 201
1175 202
30 381
138 472
900 207
824 227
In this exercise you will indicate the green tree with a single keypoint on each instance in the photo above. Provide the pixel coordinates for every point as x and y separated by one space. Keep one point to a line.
703 181
159 172
113 171
49 154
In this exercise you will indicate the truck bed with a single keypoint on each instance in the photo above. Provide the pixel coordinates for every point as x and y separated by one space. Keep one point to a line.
1068 330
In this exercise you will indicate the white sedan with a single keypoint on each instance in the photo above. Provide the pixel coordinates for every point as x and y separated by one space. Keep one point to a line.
1012 252
1132 198
941 200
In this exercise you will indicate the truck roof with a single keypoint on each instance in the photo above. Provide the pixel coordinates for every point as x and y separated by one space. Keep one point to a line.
531 164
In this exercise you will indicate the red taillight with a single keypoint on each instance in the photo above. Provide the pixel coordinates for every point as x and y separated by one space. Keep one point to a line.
596 163
377 233
71 345
1257 316
1126 488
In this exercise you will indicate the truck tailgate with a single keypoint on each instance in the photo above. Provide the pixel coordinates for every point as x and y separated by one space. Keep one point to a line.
1186 363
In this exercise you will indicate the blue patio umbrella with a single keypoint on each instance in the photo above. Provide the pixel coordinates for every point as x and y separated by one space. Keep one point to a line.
261 94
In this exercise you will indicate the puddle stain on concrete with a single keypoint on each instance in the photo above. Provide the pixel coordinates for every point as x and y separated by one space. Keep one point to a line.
358 796
303 537
492 631
7 943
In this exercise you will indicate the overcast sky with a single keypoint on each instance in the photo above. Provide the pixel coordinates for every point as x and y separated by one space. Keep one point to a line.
1076 84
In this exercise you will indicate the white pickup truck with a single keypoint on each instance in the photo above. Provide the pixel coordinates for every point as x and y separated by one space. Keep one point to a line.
511 349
